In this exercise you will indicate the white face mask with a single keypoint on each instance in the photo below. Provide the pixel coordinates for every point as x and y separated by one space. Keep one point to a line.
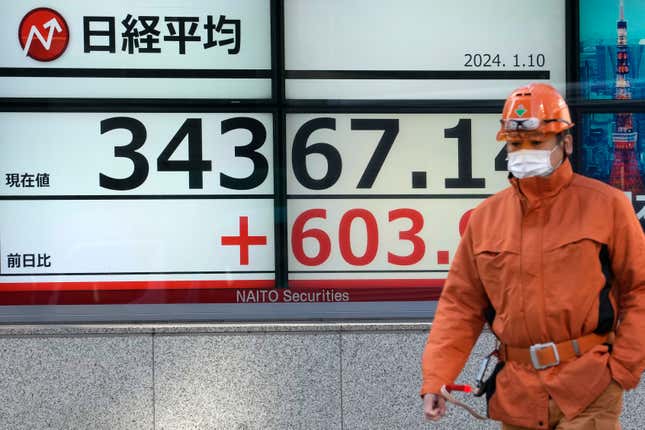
530 162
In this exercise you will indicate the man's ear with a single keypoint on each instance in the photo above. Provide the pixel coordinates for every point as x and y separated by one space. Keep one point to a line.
567 143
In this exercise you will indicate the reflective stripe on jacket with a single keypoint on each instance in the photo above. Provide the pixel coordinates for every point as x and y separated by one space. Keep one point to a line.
533 255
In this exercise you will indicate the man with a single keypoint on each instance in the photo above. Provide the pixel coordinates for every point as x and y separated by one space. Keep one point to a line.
556 265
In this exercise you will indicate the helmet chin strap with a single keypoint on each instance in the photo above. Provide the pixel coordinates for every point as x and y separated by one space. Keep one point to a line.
564 156
559 143
561 137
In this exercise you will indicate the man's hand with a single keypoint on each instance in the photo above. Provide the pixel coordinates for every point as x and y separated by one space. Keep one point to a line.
434 406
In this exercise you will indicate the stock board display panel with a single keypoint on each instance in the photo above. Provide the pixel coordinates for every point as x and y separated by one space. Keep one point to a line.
420 49
181 210
161 49
376 203
105 208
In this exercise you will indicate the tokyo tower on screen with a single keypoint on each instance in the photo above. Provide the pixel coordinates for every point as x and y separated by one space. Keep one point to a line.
625 173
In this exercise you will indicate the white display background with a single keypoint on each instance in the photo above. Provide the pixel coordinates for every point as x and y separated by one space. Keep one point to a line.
419 146
419 35
71 148
134 236
440 232
254 53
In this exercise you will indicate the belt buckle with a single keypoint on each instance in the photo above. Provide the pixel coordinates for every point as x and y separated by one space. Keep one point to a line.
534 357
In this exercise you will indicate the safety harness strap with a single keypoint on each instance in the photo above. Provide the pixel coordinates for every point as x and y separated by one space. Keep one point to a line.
445 392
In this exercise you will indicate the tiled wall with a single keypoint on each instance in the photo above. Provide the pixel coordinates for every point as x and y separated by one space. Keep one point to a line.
229 377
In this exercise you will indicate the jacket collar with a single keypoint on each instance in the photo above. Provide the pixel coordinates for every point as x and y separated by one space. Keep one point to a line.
537 188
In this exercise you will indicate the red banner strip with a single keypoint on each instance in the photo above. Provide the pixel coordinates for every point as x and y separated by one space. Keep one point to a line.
136 285
365 283
319 291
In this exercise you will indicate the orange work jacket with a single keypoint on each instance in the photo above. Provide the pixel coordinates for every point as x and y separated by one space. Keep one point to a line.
531 259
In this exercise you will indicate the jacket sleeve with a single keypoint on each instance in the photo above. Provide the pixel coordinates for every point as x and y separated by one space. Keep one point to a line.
458 320
627 252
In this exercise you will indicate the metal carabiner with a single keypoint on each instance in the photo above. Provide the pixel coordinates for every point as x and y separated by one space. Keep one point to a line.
480 383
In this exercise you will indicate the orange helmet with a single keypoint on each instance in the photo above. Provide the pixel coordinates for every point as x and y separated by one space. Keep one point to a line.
533 111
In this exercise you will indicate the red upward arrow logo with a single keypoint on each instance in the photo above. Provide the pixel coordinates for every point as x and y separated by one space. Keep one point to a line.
43 34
